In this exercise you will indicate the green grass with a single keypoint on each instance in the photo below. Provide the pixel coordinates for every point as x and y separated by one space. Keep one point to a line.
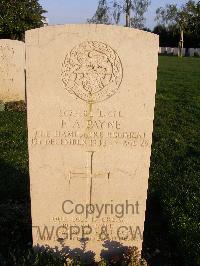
14 156
172 231
175 163
14 183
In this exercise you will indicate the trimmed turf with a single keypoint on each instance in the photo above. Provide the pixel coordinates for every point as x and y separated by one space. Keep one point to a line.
172 234
174 189
13 156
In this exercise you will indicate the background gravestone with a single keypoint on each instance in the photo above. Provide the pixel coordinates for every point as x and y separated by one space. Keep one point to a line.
91 95
191 51
176 51
12 67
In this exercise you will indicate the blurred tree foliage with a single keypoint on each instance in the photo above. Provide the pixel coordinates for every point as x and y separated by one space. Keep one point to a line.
102 14
173 22
109 12
17 16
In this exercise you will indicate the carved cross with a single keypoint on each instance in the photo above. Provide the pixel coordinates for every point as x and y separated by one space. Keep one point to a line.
89 174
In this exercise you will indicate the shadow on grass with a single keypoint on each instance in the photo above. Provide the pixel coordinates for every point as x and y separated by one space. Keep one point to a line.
14 183
158 248
15 216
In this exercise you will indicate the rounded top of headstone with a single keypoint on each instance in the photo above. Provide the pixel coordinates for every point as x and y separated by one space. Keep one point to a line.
92 71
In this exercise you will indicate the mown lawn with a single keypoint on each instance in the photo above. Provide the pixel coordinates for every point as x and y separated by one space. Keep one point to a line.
172 230
173 222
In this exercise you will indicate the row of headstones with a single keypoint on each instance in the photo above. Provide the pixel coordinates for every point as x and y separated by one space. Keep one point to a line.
12 67
176 51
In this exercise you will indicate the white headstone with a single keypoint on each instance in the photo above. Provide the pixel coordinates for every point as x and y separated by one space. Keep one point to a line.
169 50
176 51
12 69
191 51
163 50
91 95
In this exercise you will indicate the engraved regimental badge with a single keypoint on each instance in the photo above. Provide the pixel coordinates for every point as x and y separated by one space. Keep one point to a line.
92 71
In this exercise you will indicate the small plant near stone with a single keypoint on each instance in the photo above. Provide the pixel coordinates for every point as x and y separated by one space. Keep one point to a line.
132 257
19 106
31 257
2 106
